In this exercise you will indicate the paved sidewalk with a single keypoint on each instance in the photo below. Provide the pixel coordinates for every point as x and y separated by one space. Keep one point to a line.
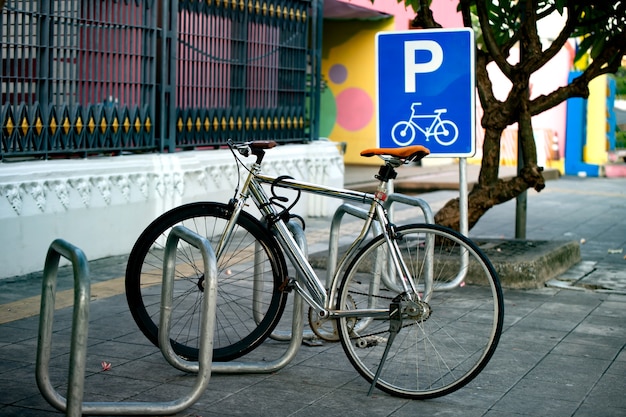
562 352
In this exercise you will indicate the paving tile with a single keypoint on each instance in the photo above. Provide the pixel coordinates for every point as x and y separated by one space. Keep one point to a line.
602 326
520 402
586 350
431 408
568 369
609 391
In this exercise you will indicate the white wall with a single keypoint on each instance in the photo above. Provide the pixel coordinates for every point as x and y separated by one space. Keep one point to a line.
102 204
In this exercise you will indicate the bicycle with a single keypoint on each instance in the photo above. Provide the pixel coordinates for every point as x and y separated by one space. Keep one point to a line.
418 311
445 132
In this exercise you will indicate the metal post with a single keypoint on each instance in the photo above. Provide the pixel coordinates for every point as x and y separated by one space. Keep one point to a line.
167 297
464 229
463 198
520 200
317 23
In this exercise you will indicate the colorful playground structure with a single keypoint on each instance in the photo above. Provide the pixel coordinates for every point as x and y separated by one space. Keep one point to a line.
591 146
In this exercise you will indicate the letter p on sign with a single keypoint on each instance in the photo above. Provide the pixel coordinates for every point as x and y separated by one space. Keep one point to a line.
411 67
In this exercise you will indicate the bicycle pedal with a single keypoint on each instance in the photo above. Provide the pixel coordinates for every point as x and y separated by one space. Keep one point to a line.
312 342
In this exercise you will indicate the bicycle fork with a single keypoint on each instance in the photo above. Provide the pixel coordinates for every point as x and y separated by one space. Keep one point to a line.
407 304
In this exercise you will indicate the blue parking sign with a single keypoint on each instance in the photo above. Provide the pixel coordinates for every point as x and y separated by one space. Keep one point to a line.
425 90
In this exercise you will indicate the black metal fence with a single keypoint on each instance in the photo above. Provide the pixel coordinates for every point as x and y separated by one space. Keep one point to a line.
82 77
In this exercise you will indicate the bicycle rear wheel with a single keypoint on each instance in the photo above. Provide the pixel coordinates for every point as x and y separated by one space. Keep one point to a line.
449 335
250 271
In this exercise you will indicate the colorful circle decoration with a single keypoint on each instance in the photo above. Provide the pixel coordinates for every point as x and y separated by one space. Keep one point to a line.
329 112
354 109
351 109
338 74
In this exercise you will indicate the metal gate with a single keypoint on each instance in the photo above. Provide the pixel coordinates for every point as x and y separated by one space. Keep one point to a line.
83 77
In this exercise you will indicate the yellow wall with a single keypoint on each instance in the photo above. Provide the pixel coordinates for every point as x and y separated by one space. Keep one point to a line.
595 150
348 105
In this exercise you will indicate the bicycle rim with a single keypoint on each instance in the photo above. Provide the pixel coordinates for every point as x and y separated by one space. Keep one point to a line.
436 352
248 309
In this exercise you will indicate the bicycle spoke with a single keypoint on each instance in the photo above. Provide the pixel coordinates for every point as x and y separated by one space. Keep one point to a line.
441 343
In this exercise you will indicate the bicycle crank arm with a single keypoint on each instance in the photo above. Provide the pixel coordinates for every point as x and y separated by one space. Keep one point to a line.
365 313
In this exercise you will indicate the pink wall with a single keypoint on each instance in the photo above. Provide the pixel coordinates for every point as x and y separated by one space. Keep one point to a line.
444 11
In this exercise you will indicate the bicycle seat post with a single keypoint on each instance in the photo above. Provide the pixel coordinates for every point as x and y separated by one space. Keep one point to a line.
386 174
388 171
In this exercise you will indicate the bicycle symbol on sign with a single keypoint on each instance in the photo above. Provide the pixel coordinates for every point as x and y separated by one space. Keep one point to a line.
444 131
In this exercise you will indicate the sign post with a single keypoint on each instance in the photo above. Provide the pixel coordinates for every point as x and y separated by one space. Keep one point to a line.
425 85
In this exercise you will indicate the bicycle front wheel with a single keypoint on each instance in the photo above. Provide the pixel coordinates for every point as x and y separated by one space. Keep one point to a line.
445 335
250 271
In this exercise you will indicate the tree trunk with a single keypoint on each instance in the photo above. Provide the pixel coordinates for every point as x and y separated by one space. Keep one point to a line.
483 197
490 190
497 116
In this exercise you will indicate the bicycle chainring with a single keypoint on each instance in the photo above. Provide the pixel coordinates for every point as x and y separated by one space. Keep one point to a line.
325 328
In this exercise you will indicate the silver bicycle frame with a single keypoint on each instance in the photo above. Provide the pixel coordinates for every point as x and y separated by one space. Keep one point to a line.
310 287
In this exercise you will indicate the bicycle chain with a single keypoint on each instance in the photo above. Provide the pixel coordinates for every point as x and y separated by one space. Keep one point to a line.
412 323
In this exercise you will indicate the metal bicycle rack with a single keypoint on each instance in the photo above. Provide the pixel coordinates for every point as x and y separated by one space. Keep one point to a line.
295 337
333 245
297 334
429 218
74 405
333 254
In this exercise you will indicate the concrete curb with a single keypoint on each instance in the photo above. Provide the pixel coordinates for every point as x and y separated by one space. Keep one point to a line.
528 264
520 264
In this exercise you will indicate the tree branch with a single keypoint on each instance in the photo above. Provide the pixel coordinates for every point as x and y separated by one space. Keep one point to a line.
490 41
482 198
607 62
530 42
485 87
526 139
556 45
466 13
490 165
424 17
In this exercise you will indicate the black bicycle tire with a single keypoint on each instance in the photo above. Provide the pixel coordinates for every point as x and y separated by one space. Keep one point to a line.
190 211
497 327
